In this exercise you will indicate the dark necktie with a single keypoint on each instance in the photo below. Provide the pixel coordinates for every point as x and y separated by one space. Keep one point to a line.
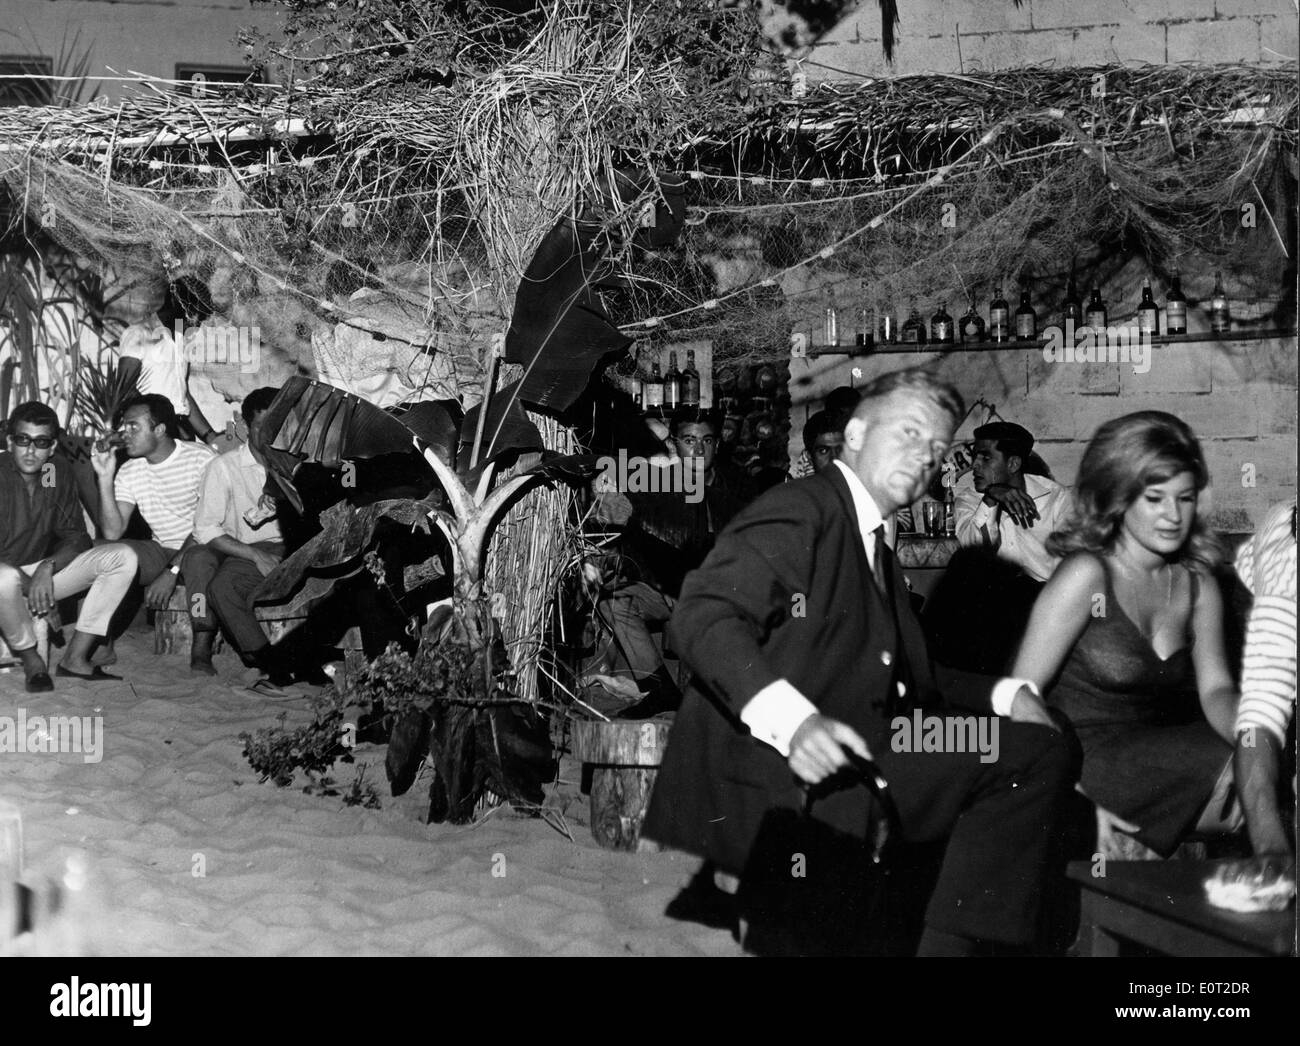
880 566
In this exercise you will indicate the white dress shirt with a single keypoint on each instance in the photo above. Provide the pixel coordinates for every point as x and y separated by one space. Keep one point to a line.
779 709
1024 546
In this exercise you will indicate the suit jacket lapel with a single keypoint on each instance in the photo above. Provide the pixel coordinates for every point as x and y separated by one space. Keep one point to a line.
879 612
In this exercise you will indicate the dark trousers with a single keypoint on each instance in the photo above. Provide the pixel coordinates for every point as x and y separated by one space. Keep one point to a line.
976 617
226 584
1001 820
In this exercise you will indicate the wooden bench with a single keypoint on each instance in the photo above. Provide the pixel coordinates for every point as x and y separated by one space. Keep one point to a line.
173 628
625 757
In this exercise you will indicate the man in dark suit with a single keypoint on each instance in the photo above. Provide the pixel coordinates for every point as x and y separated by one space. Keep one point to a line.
803 644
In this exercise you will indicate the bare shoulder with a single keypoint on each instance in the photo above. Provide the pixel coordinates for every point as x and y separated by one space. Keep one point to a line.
1079 572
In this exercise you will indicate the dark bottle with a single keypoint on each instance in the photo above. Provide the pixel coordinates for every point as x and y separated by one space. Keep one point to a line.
112 441
1175 307
886 326
1071 308
1148 312
914 327
1095 317
941 332
652 389
999 316
672 384
690 383
1026 318
949 512
972 325
1220 319
864 334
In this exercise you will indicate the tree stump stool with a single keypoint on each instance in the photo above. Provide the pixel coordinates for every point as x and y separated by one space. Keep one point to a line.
625 758
354 656
173 628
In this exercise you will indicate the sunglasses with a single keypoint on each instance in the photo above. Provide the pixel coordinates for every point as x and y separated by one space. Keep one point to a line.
39 442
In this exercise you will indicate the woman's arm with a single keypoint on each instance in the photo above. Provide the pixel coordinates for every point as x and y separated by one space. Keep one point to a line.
1074 594
1213 679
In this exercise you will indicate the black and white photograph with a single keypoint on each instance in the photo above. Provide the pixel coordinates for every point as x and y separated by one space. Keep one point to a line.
671 478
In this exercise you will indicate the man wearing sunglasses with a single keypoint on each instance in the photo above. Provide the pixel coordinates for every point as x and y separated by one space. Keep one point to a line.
46 553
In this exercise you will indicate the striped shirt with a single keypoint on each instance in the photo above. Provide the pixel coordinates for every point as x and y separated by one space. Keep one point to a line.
1267 566
167 493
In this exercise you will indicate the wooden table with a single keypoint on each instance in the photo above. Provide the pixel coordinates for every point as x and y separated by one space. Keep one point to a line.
1161 905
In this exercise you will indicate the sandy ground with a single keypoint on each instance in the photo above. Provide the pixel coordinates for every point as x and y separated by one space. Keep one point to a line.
285 873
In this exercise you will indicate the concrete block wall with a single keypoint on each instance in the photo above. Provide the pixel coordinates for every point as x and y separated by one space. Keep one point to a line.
1238 396
953 36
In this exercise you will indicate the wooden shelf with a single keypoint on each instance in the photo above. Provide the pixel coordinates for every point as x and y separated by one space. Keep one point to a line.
897 348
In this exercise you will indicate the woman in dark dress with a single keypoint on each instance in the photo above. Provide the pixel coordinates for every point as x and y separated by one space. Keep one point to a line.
1127 638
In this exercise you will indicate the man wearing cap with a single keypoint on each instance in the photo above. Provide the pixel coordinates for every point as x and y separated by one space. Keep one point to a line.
979 611
1004 509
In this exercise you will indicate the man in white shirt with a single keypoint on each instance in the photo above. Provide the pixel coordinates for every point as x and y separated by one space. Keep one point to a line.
1001 508
161 479
977 614
238 542
803 646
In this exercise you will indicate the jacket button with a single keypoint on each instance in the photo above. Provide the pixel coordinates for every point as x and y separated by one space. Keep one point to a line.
886 658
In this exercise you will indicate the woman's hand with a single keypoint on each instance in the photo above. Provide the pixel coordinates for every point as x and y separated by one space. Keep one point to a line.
1112 830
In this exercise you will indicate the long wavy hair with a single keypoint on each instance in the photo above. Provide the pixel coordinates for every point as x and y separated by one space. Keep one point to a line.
1126 456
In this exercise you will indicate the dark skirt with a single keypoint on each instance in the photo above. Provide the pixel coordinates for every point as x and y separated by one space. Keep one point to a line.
1157 777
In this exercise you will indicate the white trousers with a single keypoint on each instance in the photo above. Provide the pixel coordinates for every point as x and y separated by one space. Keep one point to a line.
108 571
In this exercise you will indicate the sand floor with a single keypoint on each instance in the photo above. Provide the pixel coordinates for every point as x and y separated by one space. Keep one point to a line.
285 873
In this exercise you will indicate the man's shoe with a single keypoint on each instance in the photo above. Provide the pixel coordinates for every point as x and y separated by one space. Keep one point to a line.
700 901
39 683
662 697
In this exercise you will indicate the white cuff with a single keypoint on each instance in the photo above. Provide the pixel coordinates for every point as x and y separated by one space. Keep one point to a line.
1005 690
775 713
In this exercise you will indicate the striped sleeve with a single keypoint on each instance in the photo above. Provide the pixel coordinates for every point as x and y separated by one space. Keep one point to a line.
1268 676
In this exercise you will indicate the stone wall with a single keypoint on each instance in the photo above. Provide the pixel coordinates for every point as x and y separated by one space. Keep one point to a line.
1238 396
954 36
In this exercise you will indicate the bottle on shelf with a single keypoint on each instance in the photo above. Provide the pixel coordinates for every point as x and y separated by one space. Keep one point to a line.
941 332
999 316
1220 318
1095 316
1026 318
831 326
1148 314
690 383
652 389
1071 308
949 512
972 325
864 334
672 384
913 326
1175 307
886 326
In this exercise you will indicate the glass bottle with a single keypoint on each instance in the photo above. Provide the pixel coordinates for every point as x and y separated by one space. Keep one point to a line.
949 512
831 327
690 383
1071 308
886 327
941 332
1220 318
652 389
1175 307
672 384
864 335
1026 318
972 325
1095 316
1148 314
914 326
999 315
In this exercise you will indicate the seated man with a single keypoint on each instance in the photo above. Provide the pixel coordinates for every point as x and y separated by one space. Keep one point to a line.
1267 566
1002 508
666 535
238 546
161 479
823 437
1003 516
46 554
